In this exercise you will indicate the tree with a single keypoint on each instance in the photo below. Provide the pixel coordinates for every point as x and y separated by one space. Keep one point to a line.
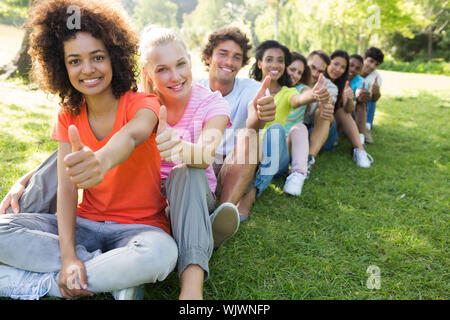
184 7
437 15
163 13
277 5
13 11
20 65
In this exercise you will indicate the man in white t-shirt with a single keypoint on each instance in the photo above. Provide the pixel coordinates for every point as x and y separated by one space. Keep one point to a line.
372 59
236 159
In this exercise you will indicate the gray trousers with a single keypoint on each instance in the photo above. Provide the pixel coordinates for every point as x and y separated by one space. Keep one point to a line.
188 194
190 203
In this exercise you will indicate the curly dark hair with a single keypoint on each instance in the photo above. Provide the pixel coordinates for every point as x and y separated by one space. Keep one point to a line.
256 72
224 34
51 28
307 72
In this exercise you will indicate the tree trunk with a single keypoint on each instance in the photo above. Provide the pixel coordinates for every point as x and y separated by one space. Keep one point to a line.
21 64
277 18
430 44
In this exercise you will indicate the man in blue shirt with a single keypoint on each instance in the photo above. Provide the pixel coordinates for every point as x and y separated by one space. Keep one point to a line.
361 91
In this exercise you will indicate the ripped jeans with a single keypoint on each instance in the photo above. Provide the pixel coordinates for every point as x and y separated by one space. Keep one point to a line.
116 256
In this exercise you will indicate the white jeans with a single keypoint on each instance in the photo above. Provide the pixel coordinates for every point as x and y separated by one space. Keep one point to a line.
116 256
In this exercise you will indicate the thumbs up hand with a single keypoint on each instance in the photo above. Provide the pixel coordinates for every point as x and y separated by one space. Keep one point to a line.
348 93
83 166
167 139
265 107
362 94
320 91
375 88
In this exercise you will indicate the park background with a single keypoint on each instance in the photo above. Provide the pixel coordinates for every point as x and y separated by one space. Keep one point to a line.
394 216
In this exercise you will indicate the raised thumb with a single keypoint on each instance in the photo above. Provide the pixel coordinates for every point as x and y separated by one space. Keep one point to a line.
162 119
74 138
265 85
318 84
262 91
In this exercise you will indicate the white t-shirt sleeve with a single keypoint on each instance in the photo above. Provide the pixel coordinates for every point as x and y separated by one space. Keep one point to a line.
370 79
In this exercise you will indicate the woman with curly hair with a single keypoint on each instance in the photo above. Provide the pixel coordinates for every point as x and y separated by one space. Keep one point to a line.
279 146
118 237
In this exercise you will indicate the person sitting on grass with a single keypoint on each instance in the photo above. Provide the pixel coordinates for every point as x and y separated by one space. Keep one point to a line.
118 237
299 75
191 127
337 72
225 53
319 117
373 57
191 225
277 147
361 94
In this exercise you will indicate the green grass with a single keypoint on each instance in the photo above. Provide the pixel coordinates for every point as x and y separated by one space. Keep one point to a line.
394 215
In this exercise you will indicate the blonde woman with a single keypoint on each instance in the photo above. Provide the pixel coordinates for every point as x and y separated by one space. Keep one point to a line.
192 122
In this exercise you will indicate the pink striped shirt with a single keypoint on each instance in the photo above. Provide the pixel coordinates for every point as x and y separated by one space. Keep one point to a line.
202 106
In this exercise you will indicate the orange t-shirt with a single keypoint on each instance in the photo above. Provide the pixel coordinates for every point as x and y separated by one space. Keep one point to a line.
131 191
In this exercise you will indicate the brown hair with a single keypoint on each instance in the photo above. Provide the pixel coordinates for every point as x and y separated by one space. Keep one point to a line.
49 21
224 34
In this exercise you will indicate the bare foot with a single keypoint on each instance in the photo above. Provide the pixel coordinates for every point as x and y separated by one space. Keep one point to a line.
192 283
245 204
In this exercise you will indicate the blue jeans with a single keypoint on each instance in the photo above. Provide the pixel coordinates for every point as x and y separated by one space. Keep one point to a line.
332 137
116 256
371 106
275 158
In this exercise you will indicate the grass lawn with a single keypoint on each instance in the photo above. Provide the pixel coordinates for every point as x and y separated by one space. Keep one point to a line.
394 215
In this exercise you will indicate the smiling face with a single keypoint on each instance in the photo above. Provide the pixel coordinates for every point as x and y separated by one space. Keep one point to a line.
272 63
336 68
88 64
369 66
169 68
295 71
225 61
354 68
317 66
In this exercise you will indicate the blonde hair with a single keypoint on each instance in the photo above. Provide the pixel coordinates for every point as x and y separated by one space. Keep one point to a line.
151 37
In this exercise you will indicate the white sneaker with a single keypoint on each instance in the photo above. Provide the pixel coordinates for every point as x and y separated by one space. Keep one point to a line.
311 162
362 158
23 285
294 183
133 293
225 223
363 139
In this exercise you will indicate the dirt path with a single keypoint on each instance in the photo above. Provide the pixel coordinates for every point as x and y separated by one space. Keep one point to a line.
22 95
403 83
